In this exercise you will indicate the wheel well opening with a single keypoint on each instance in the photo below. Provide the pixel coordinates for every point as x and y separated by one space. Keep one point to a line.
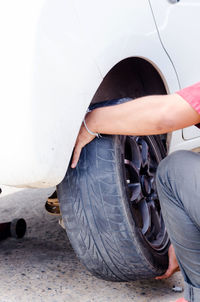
132 77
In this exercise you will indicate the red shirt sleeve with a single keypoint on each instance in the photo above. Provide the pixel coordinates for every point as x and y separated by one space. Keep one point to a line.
191 94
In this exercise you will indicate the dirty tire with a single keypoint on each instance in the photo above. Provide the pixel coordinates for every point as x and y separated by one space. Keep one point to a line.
101 220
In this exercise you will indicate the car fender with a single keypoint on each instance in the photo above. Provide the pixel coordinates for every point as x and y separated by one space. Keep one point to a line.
54 73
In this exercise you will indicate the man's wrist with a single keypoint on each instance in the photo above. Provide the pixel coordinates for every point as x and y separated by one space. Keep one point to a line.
90 123
89 131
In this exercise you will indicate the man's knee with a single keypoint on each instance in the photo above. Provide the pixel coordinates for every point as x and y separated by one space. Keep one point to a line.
172 165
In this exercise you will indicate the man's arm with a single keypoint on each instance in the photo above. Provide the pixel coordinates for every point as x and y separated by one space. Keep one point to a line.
143 116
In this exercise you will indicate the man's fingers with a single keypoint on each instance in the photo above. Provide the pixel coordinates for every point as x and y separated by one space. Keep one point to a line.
76 155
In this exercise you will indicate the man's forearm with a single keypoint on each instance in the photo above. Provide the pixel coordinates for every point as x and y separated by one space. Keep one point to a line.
143 116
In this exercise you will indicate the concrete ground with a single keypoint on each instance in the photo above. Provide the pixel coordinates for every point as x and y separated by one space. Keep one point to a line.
42 267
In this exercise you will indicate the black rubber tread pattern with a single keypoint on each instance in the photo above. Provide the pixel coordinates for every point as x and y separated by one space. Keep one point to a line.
97 216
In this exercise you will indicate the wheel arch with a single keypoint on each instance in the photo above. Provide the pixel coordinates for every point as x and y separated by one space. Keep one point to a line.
131 77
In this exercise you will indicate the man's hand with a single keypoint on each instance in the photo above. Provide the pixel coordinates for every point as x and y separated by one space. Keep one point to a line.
173 266
83 139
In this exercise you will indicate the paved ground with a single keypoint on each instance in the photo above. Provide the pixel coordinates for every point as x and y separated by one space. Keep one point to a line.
42 266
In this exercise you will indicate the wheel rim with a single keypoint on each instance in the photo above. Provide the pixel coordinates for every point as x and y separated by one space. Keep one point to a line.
141 159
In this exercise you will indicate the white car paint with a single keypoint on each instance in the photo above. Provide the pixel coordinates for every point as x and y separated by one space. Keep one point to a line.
53 56
179 26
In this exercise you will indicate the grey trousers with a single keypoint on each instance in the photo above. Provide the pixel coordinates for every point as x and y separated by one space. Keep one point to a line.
178 183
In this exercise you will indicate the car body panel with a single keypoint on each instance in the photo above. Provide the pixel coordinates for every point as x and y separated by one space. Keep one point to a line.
44 90
55 55
179 26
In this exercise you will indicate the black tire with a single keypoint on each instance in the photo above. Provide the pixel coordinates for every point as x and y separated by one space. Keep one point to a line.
109 232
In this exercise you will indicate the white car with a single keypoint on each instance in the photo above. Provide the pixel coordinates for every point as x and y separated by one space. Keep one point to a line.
57 58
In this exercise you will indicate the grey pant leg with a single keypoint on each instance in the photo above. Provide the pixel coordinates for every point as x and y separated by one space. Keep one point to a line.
178 183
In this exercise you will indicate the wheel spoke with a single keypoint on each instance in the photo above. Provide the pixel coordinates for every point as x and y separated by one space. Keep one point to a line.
153 188
156 220
146 216
132 152
133 180
144 152
135 191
